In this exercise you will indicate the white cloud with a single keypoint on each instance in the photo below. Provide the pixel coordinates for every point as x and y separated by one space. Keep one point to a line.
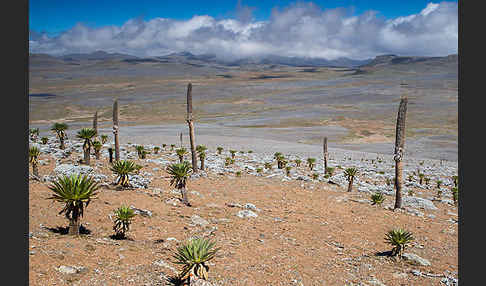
301 29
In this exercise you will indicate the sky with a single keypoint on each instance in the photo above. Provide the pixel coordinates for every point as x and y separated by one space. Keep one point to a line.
330 29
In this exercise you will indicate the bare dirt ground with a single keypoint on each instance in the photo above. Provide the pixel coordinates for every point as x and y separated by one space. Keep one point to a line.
306 233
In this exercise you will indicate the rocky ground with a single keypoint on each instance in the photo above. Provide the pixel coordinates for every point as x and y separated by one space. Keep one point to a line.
273 229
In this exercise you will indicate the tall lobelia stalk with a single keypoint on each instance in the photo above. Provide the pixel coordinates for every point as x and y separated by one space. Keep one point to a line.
95 122
190 122
115 130
399 151
324 147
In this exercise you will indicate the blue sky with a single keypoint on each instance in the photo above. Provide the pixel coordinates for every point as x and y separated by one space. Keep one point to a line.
355 29
54 16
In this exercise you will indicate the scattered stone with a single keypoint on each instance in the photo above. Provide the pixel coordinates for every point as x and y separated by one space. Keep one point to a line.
374 281
71 269
145 213
415 259
69 169
197 220
246 213
416 202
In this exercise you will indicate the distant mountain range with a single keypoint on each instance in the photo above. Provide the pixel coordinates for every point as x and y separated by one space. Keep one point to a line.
208 59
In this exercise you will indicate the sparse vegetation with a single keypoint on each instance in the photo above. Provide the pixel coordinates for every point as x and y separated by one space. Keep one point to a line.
34 154
399 239
233 153
287 170
179 174
60 130
311 163
315 176
34 133
421 178
76 192
123 218
377 198
104 138
181 152
219 149
156 149
44 140
194 256
350 174
238 173
330 171
298 162
123 169
87 134
201 152
268 165
259 170
97 148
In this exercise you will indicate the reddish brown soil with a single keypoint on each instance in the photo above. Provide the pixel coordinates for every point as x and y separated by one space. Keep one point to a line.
322 238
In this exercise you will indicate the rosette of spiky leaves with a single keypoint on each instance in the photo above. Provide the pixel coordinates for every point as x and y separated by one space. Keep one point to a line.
181 152
34 133
311 162
123 219
123 168
97 145
298 162
104 138
377 198
201 152
455 180
140 151
421 178
44 140
87 134
194 256
219 149
60 129
287 170
439 183
268 165
34 153
76 192
350 173
330 171
399 239
179 173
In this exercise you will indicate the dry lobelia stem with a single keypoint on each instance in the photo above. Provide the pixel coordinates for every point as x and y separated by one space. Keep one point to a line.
115 130
190 122
399 150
